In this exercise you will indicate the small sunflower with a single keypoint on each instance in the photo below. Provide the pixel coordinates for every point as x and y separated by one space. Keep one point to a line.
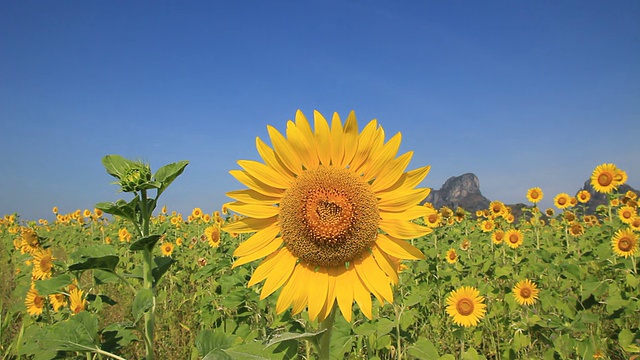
562 201
465 244
607 177
124 235
487 226
166 248
433 219
452 256
583 196
627 214
625 243
550 212
42 264
55 210
576 229
212 234
196 213
77 302
514 238
465 306
34 302
534 195
329 206
58 301
526 292
30 242
497 208
497 237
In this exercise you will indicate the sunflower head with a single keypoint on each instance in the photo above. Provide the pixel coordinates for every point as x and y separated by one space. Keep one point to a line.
452 256
514 238
465 306
331 209
607 177
534 195
525 292
562 201
625 243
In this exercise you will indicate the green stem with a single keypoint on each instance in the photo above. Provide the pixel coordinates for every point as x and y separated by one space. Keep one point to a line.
149 316
324 343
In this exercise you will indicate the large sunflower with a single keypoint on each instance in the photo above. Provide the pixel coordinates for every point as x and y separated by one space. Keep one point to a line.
330 207
535 194
607 177
624 242
514 238
525 292
562 201
465 306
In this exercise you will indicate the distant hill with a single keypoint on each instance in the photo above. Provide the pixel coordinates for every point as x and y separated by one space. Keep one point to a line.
464 191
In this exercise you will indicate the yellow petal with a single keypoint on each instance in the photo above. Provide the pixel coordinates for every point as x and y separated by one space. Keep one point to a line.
337 142
403 229
401 200
252 196
264 174
344 290
279 274
411 213
269 156
302 146
253 210
255 184
248 225
383 262
397 248
375 279
318 286
384 158
365 143
284 151
301 294
350 139
408 180
361 294
309 137
392 173
264 269
258 240
323 136
266 250
289 290
331 296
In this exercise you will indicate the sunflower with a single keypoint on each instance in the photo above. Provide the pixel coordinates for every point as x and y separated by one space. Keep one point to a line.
212 234
166 248
569 216
58 301
514 238
635 224
561 201
42 264
433 219
30 242
124 235
487 226
196 213
526 292
550 212
497 237
55 210
330 207
77 303
607 177
624 242
583 196
576 229
534 195
465 244
34 302
452 256
465 306
627 214
497 208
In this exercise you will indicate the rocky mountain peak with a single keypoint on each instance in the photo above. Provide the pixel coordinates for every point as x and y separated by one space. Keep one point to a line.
459 191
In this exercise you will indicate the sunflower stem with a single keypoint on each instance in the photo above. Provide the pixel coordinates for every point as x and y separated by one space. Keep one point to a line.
324 343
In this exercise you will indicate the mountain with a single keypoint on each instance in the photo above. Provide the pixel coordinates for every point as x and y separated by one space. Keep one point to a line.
463 191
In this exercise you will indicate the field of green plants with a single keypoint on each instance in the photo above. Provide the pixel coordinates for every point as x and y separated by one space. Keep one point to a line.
146 279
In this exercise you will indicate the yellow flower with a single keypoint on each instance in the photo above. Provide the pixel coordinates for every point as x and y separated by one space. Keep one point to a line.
550 212
58 301
514 238
42 264
30 242
607 177
583 196
627 214
86 213
212 234
497 237
525 292
465 244
330 206
34 302
576 229
433 218
98 213
535 194
624 243
124 235
55 210
465 306
452 256
164 210
179 241
487 225
77 300
167 249
497 208
196 213
562 201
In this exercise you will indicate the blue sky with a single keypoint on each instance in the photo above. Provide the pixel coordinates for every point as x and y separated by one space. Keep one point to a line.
522 94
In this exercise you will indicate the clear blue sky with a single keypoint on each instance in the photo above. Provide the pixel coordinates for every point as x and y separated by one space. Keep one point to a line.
521 93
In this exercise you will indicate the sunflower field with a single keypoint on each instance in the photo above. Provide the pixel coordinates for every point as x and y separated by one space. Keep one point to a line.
331 253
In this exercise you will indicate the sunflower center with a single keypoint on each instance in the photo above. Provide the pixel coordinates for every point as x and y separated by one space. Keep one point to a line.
605 179
513 238
46 264
38 301
534 195
562 201
625 244
464 307
452 255
328 216
433 218
525 293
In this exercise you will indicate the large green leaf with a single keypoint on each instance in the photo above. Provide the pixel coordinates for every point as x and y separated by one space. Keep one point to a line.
424 349
162 265
211 344
117 165
142 303
78 333
53 285
166 174
146 243
107 263
293 336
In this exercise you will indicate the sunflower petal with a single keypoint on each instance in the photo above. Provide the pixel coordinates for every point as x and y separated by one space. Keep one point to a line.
375 279
337 142
403 229
361 294
350 140
253 197
264 174
301 293
303 148
258 240
384 263
331 296
365 143
264 269
323 137
279 274
319 284
289 290
253 210
256 184
392 172
400 249
269 157
284 151
249 225
411 213
344 290
384 158
401 200
272 246
408 180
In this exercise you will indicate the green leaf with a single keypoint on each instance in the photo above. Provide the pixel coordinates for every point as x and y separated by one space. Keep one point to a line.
471 354
117 165
108 263
424 349
248 351
142 303
168 173
211 343
78 333
146 243
117 336
293 336
633 280
120 208
162 265
53 285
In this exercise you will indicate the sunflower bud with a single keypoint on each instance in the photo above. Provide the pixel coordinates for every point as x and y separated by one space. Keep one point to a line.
135 178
